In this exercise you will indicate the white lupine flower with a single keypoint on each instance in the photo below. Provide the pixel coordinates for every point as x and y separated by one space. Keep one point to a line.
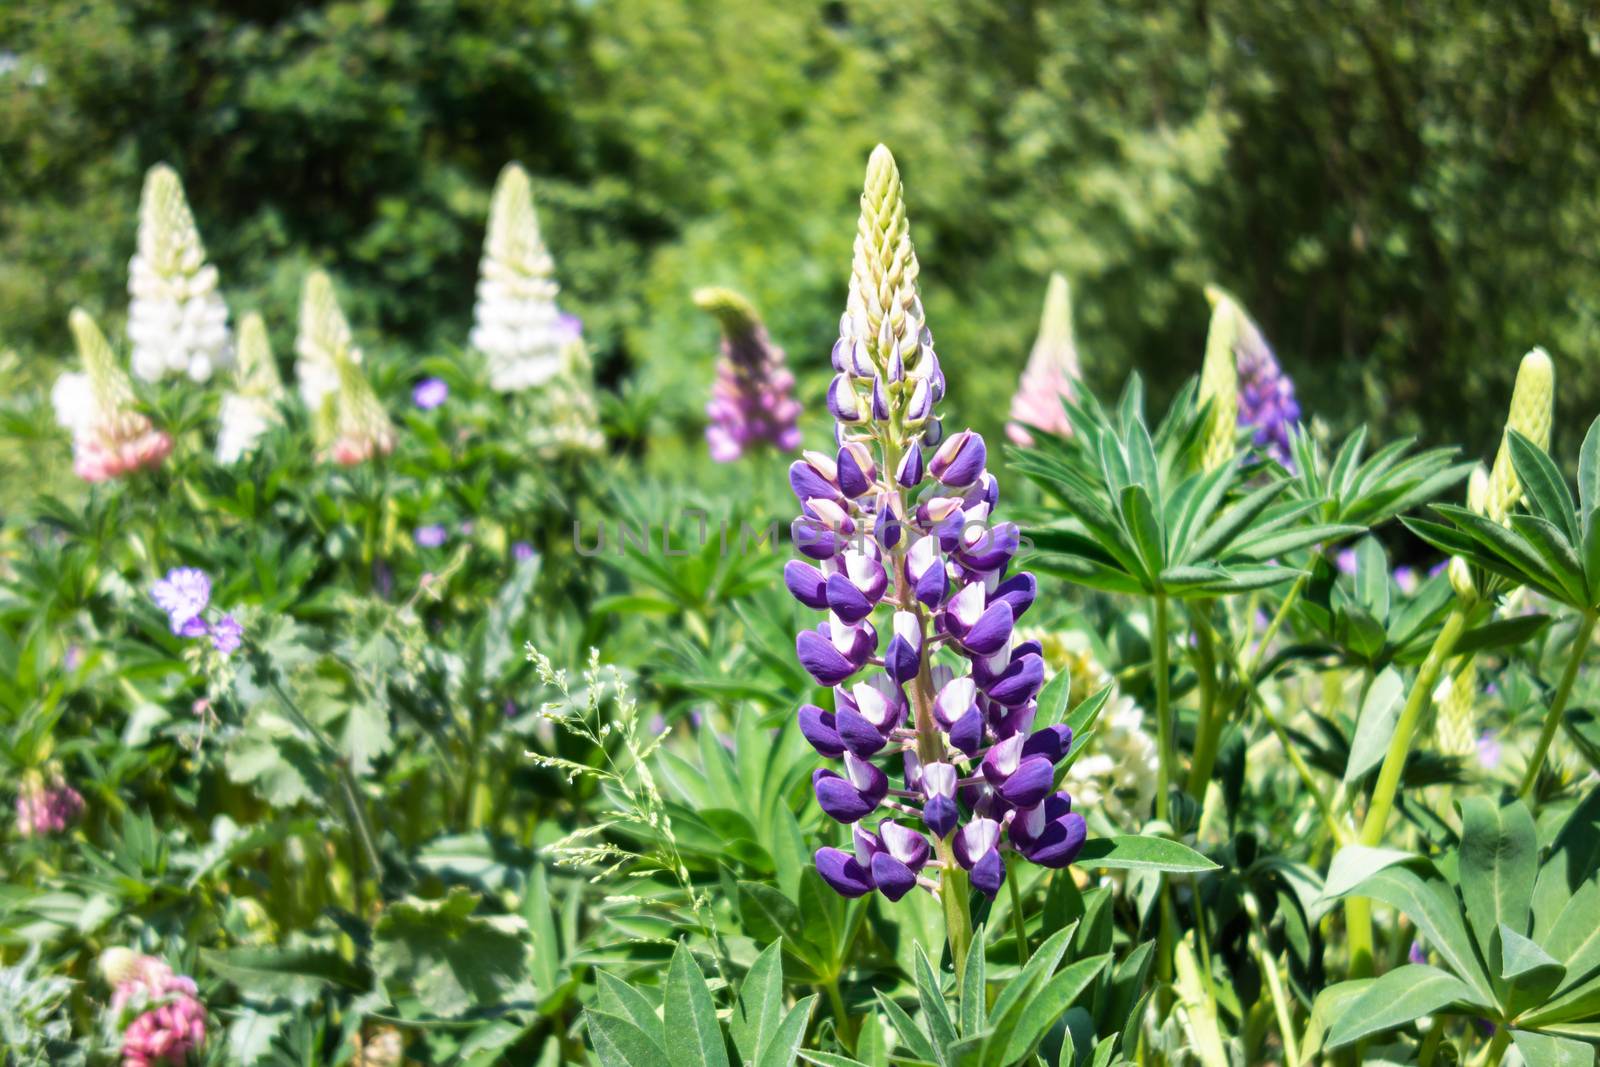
516 323
177 320
350 422
1118 775
73 399
252 409
324 339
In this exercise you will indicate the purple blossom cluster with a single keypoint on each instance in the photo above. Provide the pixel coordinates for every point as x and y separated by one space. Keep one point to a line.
46 807
751 399
900 518
1266 394
167 1022
184 594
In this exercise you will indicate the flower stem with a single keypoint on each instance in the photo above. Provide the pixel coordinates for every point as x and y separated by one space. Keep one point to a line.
1158 651
843 1025
1558 703
1358 911
1208 727
1019 925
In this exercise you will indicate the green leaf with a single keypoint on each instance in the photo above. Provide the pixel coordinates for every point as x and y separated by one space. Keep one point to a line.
1543 486
1354 864
1499 860
1048 1004
451 958
973 994
1141 853
1199 1017
1559 556
940 1028
1399 997
1418 891
693 1037
1231 523
1501 633
619 1043
1380 712
1531 972
1139 514
620 999
910 1034
829 1059
1547 1050
298 975
1589 475
759 1009
785 1043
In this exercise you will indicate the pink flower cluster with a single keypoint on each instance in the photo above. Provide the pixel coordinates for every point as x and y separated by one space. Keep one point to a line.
102 457
354 449
46 809
169 1021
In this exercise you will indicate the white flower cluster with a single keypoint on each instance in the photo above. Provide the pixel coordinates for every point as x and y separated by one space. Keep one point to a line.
252 409
516 323
351 425
177 320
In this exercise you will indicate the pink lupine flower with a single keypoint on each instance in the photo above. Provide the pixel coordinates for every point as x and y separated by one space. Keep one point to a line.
109 438
750 398
168 1021
46 808
1051 371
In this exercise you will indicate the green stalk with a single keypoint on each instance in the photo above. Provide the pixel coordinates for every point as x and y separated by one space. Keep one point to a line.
1280 1003
1358 910
1497 1047
1158 649
1018 923
843 1024
1558 703
1208 728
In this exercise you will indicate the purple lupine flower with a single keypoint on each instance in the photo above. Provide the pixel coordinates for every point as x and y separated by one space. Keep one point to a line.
1416 955
1488 750
899 524
46 807
1406 578
1266 395
430 393
750 398
521 551
430 536
184 595
1345 560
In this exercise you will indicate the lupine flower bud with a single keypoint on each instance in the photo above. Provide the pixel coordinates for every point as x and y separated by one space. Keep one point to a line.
516 323
1219 379
941 564
1532 411
45 808
1457 722
177 320
109 438
252 408
1052 368
351 425
1266 395
750 400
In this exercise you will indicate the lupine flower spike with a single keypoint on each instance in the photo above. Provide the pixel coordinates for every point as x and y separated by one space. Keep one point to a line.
109 438
46 807
252 408
351 426
898 523
1266 401
1051 371
158 1011
177 320
1219 380
1457 721
1495 493
517 325
750 399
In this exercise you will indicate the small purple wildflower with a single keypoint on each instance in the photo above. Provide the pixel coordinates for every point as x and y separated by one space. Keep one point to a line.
1406 578
569 328
73 658
1416 955
521 551
431 536
183 594
227 635
46 808
1345 560
430 393
1438 568
1488 751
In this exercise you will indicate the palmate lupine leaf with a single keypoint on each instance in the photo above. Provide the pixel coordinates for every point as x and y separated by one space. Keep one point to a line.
1142 523
1386 484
